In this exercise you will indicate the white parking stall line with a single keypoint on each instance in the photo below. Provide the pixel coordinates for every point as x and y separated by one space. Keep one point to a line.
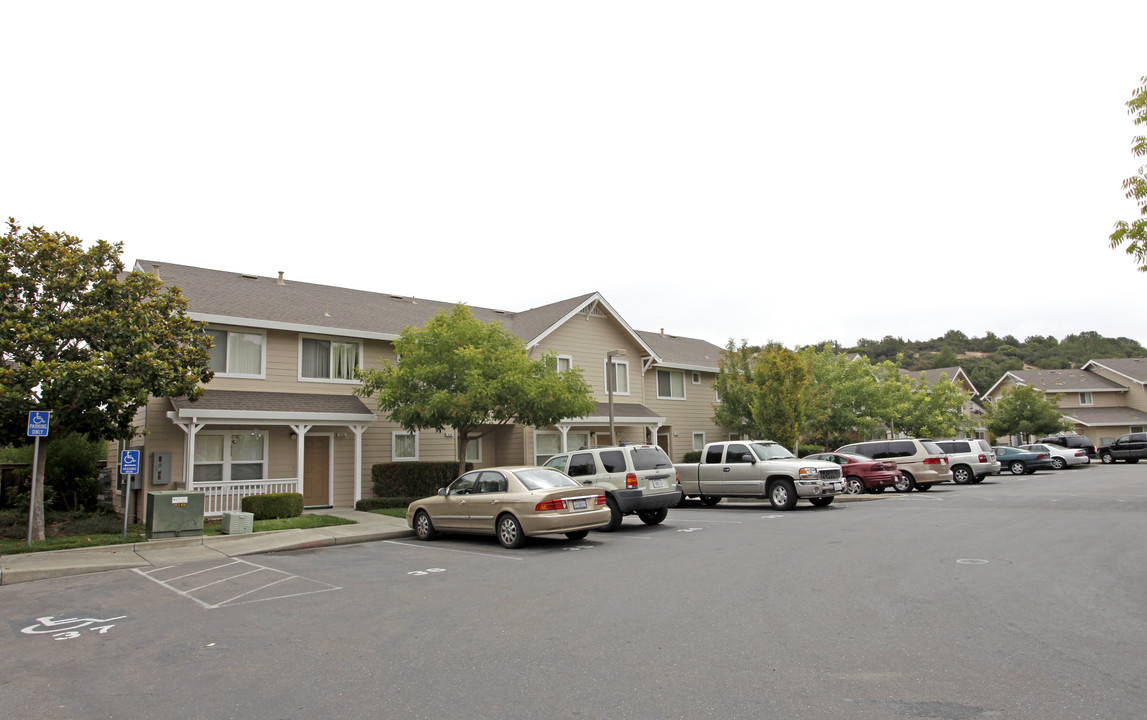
237 579
425 546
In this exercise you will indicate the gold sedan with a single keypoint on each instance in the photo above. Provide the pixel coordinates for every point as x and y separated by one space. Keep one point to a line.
511 503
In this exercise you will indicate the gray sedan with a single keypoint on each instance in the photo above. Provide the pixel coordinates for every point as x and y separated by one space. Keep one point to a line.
1061 457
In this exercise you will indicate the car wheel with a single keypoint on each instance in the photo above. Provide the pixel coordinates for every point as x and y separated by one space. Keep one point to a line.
652 517
1058 463
854 485
577 534
423 528
905 483
821 502
1016 467
962 474
614 515
710 500
978 479
923 487
510 532
783 495
1107 458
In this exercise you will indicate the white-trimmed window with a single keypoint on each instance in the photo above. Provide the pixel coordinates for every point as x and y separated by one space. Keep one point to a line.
1136 428
1085 398
230 456
325 359
620 384
403 446
474 450
561 363
577 440
698 441
237 353
671 384
696 378
546 445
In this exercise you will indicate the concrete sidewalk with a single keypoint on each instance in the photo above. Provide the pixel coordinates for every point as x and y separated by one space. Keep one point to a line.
58 563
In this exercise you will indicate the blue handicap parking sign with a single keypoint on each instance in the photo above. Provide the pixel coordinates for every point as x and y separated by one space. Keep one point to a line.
38 423
129 462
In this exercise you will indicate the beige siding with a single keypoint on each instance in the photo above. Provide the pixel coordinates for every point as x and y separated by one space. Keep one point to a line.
1136 395
685 417
587 340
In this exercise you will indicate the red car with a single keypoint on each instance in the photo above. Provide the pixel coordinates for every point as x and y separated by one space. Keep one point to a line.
861 473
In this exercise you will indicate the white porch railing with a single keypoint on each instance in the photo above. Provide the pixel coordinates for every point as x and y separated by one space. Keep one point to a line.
222 497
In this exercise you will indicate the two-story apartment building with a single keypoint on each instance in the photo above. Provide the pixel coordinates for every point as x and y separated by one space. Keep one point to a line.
1104 399
281 415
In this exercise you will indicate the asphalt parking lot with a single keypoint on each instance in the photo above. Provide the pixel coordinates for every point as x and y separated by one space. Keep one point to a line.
1020 597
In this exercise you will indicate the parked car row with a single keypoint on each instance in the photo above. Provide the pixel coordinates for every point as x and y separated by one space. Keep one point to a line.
595 488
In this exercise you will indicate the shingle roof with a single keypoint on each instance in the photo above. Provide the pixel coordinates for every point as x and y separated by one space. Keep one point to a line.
1098 416
1071 380
244 401
933 375
1133 368
676 351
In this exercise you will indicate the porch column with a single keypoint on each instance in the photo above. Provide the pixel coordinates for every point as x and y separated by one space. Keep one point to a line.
300 431
191 428
564 430
653 432
358 430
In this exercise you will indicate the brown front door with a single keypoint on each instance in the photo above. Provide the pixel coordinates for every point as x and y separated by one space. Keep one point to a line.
316 470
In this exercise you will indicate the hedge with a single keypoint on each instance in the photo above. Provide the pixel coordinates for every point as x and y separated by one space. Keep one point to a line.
273 505
693 456
412 479
381 503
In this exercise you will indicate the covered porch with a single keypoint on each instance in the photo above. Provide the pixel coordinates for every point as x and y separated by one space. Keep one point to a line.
242 443
632 422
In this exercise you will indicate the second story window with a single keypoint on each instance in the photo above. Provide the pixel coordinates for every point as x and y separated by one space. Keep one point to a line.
671 384
328 359
1085 398
620 384
236 352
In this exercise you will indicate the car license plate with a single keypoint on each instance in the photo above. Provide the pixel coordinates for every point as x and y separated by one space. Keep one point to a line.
579 504
658 483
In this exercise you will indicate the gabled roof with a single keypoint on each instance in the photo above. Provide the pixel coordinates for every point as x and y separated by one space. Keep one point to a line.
683 353
933 375
1061 381
1134 369
229 298
1106 416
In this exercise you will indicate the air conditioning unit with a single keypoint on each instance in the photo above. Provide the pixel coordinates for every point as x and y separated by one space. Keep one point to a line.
237 523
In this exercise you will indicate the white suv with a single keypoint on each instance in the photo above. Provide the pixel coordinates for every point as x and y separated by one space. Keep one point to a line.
637 479
970 460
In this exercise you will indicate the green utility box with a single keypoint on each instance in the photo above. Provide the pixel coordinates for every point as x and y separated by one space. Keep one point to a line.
174 513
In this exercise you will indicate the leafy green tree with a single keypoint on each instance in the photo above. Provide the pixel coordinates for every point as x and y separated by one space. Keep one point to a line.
85 340
945 358
734 385
841 398
937 409
71 470
780 379
459 372
1025 410
1134 233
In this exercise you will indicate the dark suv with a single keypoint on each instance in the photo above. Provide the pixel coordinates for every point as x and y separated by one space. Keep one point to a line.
1130 447
1074 442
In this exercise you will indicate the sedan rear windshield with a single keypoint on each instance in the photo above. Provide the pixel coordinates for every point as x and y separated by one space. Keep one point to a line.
544 479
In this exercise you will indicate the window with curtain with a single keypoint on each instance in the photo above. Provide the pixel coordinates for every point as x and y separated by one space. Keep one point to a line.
404 446
328 359
230 456
620 382
236 353
546 445
671 384
474 450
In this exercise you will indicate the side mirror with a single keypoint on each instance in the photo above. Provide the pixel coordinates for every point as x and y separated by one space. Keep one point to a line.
441 491
749 458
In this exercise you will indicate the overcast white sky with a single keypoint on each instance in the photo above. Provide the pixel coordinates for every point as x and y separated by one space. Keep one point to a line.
789 171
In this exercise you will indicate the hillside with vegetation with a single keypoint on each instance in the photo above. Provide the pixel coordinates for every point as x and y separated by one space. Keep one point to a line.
985 359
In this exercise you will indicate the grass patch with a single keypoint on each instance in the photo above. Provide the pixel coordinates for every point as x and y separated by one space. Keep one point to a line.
67 531
392 512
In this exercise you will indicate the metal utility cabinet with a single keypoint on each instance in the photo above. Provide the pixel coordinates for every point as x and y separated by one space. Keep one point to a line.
174 513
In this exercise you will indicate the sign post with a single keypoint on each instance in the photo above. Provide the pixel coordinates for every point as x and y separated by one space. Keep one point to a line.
38 421
129 468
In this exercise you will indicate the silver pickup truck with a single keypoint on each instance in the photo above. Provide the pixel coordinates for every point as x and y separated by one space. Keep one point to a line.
758 469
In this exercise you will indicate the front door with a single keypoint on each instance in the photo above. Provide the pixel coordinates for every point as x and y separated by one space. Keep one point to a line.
316 470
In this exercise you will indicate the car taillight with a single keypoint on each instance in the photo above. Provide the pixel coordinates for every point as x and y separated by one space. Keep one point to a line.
983 457
1080 454
1041 456
630 481
934 461
600 500
555 504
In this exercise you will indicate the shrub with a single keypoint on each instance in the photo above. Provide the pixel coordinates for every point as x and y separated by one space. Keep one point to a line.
693 456
381 503
803 450
412 479
274 505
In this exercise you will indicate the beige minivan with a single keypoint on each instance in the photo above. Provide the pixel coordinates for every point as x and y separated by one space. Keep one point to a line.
922 463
